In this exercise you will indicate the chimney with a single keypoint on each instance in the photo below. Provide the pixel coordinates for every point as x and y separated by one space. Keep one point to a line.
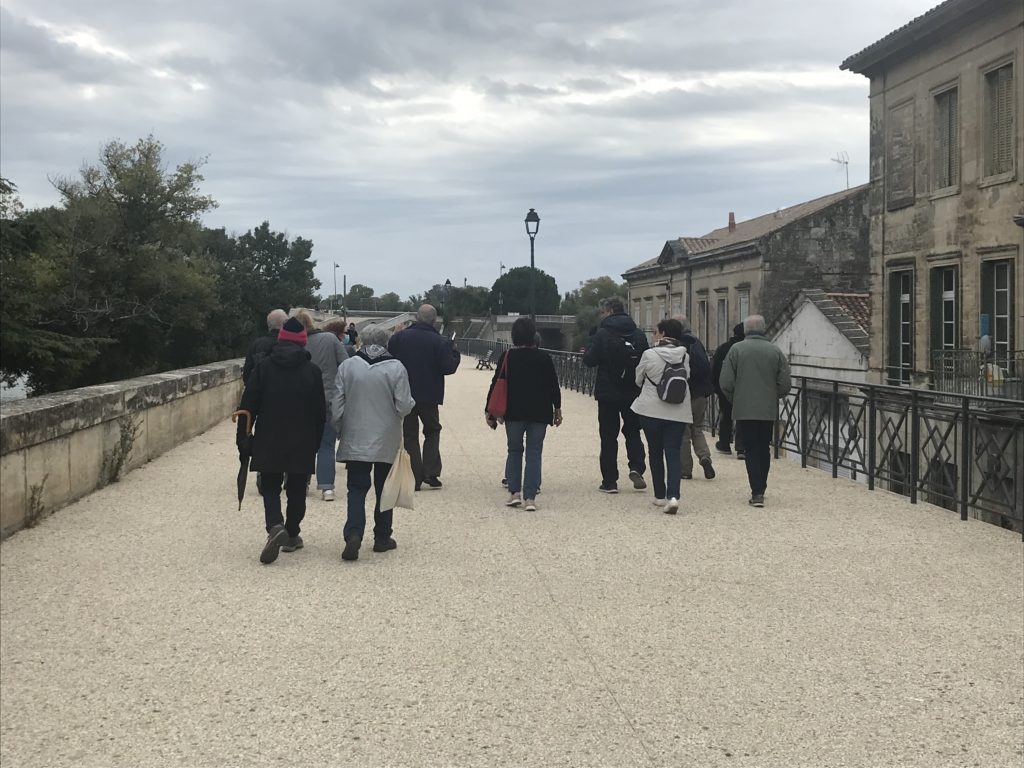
732 221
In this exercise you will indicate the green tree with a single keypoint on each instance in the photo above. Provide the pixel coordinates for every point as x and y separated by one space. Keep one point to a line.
359 296
392 302
514 289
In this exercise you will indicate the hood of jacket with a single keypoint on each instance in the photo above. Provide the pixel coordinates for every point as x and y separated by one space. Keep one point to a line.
688 339
671 354
419 325
621 323
285 354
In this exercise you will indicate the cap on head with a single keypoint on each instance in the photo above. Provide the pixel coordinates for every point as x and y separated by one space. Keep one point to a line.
293 331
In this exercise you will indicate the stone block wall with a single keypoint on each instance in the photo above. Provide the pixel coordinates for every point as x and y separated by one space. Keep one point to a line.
57 448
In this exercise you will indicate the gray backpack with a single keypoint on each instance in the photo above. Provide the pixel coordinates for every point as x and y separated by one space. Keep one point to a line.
673 385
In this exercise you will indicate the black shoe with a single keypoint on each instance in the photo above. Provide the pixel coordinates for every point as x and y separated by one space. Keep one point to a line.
384 545
294 542
351 551
686 477
276 539
757 500
723 448
432 483
709 471
504 482
608 488
741 455
638 480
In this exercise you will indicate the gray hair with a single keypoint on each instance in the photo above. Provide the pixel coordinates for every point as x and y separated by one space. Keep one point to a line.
426 314
613 304
375 334
276 319
684 323
753 324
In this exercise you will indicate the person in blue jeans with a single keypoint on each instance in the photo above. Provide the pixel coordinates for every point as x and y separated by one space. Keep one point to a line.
534 402
663 422
371 397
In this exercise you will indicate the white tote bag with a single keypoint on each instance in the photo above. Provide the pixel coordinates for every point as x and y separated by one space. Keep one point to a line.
400 485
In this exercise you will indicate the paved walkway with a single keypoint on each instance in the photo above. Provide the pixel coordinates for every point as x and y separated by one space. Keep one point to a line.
836 627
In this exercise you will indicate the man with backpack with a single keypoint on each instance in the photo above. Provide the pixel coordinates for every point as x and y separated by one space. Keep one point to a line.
615 351
700 390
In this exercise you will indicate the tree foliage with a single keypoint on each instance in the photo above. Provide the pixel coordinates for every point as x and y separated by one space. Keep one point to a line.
514 290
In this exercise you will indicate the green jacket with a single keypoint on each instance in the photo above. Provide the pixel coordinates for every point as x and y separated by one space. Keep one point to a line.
755 376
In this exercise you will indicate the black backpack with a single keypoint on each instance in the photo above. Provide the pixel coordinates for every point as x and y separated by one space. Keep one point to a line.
673 385
623 357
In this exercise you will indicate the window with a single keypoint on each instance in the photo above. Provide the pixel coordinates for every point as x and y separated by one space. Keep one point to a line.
999 109
722 323
648 312
702 319
677 304
945 310
946 140
900 166
997 305
636 311
661 309
901 327
744 305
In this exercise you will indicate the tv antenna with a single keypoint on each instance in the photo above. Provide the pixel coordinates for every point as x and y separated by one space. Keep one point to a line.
843 159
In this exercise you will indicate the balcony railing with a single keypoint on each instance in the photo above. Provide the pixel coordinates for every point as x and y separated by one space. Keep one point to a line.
959 451
992 374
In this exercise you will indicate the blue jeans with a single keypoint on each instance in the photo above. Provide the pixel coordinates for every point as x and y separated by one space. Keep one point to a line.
664 439
529 481
325 467
358 487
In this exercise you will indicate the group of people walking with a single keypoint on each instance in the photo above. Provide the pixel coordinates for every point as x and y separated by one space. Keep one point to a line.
317 401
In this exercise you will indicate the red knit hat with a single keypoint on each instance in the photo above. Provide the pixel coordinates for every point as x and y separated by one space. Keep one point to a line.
293 331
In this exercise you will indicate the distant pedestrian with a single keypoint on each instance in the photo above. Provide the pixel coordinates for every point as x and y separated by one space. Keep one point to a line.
664 413
371 398
353 334
285 395
755 376
261 347
725 418
327 353
428 357
615 350
534 402
700 390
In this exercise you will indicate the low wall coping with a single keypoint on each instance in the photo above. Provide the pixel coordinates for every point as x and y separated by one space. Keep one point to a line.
24 423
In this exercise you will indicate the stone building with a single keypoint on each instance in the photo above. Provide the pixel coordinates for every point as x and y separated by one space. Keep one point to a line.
755 266
947 137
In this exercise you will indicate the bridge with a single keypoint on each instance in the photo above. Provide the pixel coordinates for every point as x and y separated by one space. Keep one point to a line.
836 627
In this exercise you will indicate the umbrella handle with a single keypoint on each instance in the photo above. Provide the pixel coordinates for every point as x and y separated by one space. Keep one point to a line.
248 419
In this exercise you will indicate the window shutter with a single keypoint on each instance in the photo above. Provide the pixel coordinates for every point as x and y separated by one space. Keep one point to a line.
893 321
954 138
999 118
942 141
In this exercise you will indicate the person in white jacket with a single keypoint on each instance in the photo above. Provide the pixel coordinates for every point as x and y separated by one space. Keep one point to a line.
663 422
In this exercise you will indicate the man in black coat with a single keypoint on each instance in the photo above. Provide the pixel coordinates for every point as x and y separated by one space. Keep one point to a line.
261 347
285 396
428 357
725 430
615 350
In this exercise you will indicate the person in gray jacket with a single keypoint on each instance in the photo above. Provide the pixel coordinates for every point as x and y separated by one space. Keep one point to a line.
755 376
327 353
371 399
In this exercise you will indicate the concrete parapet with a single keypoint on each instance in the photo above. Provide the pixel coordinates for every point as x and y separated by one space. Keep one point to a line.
57 448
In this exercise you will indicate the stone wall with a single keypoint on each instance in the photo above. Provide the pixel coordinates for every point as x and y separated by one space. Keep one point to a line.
57 448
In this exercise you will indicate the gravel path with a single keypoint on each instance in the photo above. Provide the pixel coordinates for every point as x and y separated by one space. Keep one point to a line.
835 627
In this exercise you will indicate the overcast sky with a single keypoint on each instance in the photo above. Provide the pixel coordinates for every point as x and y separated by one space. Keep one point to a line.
408 138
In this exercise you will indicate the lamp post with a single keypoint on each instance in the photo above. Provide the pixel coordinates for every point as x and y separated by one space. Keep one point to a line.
334 298
447 293
532 225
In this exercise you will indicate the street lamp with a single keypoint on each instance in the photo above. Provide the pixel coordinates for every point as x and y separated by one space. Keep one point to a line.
447 293
532 225
334 298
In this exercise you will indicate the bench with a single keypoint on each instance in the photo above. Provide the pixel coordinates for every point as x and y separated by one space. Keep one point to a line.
484 363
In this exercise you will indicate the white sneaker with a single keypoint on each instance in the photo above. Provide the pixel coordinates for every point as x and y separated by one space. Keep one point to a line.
672 506
514 500
659 502
327 495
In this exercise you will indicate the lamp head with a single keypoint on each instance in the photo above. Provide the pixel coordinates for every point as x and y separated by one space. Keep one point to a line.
532 223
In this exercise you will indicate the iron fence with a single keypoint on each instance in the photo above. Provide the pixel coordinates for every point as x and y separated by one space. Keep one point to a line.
989 374
959 451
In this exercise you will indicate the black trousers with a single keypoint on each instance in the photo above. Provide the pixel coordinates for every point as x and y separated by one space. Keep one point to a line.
295 490
725 425
611 414
757 449
428 462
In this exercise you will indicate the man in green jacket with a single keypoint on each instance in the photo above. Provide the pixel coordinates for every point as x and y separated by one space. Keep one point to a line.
755 376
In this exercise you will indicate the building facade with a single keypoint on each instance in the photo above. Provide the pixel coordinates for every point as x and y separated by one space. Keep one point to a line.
754 266
947 137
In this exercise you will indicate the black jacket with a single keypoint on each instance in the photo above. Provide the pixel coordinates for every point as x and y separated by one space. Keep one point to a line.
258 350
285 395
622 390
533 391
700 366
719 359
428 357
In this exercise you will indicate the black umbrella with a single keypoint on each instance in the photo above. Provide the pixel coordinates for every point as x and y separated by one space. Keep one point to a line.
243 440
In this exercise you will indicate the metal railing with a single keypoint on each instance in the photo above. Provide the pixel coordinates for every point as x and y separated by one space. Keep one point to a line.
959 451
988 374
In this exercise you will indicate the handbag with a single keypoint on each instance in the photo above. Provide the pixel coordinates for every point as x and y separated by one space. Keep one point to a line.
400 486
497 403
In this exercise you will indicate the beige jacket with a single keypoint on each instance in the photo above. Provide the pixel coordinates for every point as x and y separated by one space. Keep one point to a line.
648 374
